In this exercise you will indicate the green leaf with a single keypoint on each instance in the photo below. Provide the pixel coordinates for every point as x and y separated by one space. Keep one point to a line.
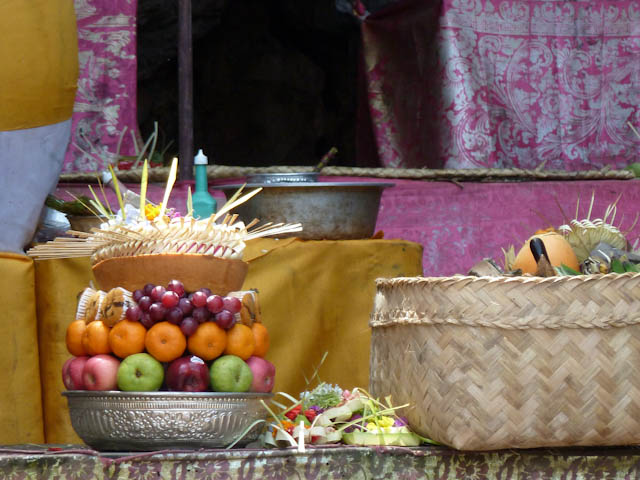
75 207
564 270
303 419
630 267
616 266
635 168
53 202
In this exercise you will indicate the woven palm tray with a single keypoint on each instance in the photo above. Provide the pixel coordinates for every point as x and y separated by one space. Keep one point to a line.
522 362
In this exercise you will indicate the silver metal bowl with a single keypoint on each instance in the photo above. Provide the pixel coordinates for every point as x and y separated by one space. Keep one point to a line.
144 421
301 177
327 210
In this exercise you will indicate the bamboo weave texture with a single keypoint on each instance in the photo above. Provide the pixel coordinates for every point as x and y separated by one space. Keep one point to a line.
493 363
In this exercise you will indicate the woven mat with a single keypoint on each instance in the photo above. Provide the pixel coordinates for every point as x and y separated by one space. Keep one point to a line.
470 175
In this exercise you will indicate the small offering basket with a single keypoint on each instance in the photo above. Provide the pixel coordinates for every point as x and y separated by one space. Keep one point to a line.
147 421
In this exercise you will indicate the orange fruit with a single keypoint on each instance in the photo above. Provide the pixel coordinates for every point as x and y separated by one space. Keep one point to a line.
261 339
558 249
96 338
240 341
208 341
165 341
126 338
73 338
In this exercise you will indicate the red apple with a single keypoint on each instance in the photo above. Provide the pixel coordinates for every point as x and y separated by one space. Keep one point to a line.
101 373
72 373
188 374
264 374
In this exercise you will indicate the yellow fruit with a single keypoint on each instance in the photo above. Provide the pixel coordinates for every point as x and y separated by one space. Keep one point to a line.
558 249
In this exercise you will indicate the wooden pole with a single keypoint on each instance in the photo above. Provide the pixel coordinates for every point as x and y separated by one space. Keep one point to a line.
185 90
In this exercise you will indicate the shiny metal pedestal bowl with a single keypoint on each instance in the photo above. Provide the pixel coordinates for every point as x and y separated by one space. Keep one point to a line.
145 421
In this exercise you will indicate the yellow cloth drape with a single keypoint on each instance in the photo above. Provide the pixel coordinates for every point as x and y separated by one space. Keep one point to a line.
58 283
39 58
316 297
20 401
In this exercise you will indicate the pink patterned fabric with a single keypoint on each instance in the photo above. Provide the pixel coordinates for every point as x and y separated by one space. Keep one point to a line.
458 227
504 83
105 105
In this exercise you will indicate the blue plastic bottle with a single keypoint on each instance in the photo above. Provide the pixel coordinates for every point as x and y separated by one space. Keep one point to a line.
204 205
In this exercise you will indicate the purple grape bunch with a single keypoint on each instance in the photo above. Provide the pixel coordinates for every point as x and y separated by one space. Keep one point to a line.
172 303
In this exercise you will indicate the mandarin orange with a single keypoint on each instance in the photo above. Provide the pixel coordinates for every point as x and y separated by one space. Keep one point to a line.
240 341
96 338
261 339
126 338
165 341
208 341
73 338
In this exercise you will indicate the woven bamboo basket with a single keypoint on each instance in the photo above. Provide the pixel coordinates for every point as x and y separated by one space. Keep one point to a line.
521 362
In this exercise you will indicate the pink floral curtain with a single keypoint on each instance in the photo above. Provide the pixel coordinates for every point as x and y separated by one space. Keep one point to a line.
104 116
504 83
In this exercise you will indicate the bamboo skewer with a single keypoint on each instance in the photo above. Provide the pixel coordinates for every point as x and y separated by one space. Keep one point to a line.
116 187
167 191
143 190
161 237
231 205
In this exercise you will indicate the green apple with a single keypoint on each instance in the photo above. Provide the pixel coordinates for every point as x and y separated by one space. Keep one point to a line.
230 373
140 373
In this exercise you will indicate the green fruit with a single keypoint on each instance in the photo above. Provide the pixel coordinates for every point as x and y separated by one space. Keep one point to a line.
230 373
140 373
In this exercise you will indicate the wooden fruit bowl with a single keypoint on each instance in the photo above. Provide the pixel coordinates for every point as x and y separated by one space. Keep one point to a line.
220 275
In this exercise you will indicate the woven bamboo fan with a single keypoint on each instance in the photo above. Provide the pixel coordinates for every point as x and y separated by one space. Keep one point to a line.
522 362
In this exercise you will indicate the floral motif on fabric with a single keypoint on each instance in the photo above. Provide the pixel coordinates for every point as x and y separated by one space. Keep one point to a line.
216 470
145 470
505 83
333 463
105 104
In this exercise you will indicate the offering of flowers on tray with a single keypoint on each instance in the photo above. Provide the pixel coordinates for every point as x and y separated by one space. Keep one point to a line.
329 415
